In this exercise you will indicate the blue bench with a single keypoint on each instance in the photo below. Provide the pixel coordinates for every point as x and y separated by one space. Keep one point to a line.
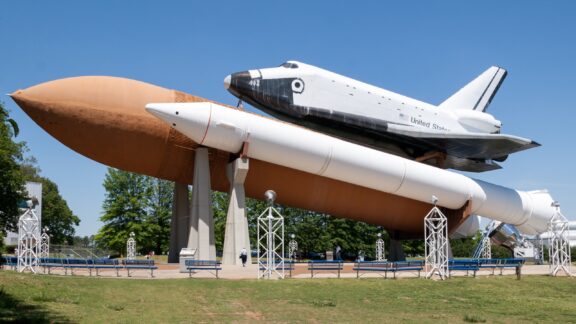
75 264
387 266
50 263
286 266
139 265
372 266
9 261
104 264
502 264
464 265
199 265
322 265
414 265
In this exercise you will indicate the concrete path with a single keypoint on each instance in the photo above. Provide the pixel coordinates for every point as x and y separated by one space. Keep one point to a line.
234 272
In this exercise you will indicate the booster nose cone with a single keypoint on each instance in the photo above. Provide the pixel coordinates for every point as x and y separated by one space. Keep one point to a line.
191 118
227 80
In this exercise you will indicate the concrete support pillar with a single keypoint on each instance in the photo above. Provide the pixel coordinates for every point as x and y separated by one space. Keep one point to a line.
179 225
201 235
396 249
236 235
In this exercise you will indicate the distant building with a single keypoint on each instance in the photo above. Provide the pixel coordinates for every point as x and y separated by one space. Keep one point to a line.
33 189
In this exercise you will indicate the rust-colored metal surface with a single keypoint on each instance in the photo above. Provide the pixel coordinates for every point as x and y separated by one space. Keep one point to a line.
103 118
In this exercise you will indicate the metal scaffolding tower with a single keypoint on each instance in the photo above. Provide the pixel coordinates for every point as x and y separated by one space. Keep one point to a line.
131 247
559 244
270 241
484 248
436 240
45 244
380 252
28 239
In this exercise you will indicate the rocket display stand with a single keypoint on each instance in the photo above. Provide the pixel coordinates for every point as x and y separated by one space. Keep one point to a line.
28 241
559 244
236 236
270 244
436 243
192 222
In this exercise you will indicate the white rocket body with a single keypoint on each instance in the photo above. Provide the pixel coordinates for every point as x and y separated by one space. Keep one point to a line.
295 147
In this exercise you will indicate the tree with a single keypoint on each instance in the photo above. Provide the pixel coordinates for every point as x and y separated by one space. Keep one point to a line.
11 178
56 215
124 208
159 210
220 213
139 204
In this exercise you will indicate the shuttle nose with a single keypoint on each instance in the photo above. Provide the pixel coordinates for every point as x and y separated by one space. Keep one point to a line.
238 83
227 81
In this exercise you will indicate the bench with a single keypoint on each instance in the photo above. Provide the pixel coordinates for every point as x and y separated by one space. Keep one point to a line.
75 264
502 264
387 266
322 265
49 263
372 266
104 264
415 265
139 265
464 265
198 265
10 261
286 266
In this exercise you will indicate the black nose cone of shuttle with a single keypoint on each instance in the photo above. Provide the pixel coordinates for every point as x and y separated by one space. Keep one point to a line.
239 84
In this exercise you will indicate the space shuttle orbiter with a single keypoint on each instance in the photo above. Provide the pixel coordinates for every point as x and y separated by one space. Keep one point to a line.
456 134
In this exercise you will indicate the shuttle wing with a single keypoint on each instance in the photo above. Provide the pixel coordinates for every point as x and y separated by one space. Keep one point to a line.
467 145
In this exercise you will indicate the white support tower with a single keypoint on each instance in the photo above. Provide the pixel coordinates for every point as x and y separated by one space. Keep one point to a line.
270 241
486 252
28 239
559 244
380 252
45 244
436 240
292 247
484 248
131 247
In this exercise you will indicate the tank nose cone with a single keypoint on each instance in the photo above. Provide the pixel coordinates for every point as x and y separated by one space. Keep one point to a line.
227 80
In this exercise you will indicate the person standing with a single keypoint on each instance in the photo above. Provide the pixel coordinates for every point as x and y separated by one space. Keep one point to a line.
338 253
244 256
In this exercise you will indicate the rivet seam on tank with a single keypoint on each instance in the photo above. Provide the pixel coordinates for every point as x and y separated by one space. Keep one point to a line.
327 161
403 178
207 125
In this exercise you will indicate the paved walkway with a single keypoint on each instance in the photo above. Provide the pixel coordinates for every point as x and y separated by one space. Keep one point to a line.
171 271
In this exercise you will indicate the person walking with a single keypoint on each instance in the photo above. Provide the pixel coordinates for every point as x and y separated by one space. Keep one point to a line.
244 256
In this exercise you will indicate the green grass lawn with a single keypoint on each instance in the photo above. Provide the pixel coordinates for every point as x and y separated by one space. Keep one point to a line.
42 298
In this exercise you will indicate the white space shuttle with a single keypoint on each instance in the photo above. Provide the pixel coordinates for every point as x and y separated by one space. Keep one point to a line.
456 134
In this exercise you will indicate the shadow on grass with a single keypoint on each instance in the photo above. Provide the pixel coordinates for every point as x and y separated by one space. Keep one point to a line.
13 310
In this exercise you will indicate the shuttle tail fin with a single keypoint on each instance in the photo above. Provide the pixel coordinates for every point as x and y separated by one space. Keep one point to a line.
477 94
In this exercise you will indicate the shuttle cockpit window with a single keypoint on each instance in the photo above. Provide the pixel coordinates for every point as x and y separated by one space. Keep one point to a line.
289 65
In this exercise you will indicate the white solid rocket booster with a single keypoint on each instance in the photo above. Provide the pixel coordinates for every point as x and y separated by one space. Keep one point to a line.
295 147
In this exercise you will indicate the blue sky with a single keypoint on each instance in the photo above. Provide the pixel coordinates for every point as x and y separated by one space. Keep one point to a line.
422 49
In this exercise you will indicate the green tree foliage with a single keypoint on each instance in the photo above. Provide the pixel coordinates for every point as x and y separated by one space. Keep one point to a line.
11 178
56 215
139 204
464 247
219 211
159 211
